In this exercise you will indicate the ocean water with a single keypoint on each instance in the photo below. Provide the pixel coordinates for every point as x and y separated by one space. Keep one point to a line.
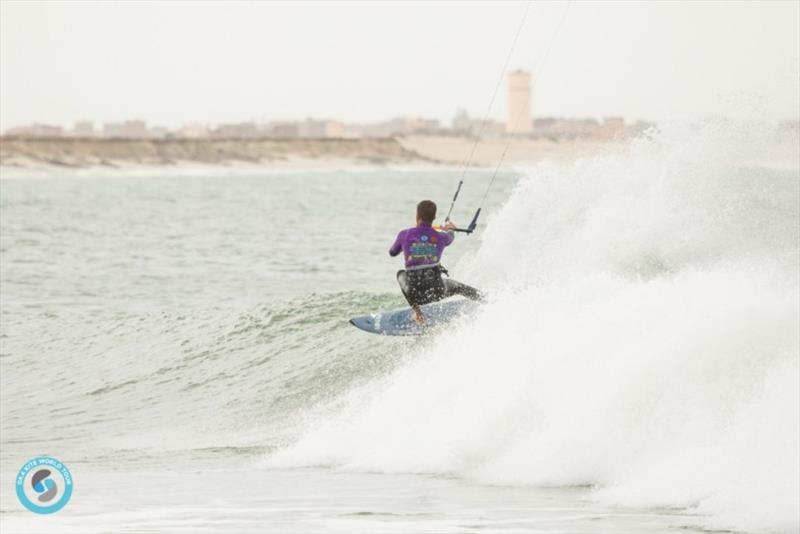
180 340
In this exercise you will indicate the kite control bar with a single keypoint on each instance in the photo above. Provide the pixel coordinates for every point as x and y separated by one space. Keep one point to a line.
469 229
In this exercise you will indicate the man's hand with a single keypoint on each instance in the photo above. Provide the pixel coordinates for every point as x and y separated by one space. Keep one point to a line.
449 226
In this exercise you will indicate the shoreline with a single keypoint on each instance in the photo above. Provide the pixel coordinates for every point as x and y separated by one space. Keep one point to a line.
83 153
31 157
37 155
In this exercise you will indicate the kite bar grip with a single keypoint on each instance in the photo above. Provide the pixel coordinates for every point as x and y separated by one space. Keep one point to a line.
464 230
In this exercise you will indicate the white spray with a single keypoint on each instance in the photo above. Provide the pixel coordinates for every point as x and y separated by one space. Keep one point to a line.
643 337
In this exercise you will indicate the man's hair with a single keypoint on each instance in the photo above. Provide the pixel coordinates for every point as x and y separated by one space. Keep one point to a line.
426 211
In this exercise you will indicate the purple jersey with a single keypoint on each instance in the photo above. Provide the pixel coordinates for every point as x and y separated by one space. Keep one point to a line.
421 245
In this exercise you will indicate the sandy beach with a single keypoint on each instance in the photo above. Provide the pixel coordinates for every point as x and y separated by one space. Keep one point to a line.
125 154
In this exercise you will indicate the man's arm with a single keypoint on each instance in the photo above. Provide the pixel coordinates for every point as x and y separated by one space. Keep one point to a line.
448 235
398 244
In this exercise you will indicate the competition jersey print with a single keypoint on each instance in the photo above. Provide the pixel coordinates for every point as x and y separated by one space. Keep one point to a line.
421 245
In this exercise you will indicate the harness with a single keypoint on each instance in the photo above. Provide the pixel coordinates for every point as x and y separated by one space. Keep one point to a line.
438 266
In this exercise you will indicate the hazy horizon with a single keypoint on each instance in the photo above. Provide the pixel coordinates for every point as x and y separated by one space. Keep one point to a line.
173 63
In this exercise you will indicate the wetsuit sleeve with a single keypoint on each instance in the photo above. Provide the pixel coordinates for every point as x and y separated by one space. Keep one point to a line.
447 237
398 244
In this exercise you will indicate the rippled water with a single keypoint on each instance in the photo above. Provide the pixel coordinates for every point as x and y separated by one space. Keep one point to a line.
159 304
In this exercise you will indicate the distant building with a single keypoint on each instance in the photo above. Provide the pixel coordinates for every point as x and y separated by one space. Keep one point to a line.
518 119
241 130
285 130
134 129
402 126
557 128
312 128
462 124
83 129
353 130
492 128
35 130
611 128
334 129
157 132
194 131
544 125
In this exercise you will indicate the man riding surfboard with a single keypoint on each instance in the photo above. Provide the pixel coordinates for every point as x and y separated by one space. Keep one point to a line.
422 245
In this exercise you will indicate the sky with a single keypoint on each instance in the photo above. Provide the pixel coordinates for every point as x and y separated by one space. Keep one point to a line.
172 63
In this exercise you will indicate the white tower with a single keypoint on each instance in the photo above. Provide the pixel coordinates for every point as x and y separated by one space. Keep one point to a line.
518 120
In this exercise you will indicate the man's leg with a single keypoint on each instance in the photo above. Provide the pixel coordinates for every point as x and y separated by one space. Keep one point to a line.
405 287
402 280
453 287
417 316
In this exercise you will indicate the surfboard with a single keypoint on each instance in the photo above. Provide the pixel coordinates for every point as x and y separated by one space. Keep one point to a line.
400 323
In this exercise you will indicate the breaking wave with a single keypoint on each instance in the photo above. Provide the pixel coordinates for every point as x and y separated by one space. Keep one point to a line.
642 338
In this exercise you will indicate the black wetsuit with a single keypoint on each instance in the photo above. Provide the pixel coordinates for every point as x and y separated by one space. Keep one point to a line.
425 285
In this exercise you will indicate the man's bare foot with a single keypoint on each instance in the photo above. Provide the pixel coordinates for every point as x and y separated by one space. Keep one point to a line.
417 316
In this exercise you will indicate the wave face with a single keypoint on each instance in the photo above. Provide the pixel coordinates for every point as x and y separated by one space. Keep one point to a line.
642 338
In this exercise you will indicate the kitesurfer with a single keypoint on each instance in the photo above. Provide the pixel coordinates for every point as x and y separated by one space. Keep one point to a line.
422 246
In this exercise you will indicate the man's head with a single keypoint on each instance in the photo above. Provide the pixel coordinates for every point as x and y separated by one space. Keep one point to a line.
426 211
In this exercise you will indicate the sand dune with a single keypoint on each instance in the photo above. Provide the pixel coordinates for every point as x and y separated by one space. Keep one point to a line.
83 153
37 153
